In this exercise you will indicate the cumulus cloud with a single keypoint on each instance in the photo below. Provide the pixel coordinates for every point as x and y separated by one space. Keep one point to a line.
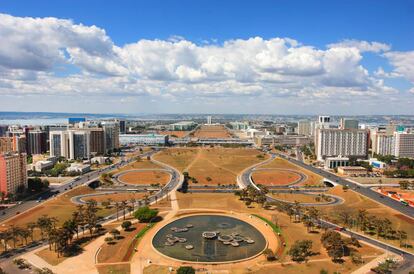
362 46
32 50
403 63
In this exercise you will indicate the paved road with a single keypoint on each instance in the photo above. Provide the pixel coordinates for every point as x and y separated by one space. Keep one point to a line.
406 210
175 182
408 258
41 198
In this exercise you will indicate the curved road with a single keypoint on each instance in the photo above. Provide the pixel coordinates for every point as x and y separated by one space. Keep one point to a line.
408 258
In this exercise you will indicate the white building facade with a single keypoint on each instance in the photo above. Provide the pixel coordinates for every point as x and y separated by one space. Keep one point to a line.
338 142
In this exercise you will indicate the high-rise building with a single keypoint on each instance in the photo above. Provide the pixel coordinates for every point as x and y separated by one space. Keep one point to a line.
122 126
6 144
348 123
36 142
79 144
59 143
71 144
97 138
13 144
404 144
13 172
338 142
384 144
208 120
111 132
3 130
304 128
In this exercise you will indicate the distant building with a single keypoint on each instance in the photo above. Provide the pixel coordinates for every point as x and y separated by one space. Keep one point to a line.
184 125
97 141
77 167
209 120
304 128
36 142
348 123
404 144
144 139
377 164
122 126
334 162
3 130
239 125
13 144
76 120
41 166
111 132
341 142
352 170
13 172
71 144
383 144
288 140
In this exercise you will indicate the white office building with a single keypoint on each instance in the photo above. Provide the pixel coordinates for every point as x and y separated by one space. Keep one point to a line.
338 142
71 144
348 123
404 144
143 139
304 128
384 144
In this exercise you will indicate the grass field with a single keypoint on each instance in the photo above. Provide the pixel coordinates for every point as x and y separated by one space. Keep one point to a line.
212 132
122 249
274 177
301 198
211 166
118 197
313 179
354 202
145 177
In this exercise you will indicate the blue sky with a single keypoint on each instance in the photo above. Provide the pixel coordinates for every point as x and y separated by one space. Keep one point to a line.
379 75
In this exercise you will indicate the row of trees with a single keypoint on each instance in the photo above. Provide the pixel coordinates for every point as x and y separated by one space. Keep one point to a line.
371 224
60 239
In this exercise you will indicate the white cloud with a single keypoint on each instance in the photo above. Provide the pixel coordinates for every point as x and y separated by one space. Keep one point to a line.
403 63
32 50
362 46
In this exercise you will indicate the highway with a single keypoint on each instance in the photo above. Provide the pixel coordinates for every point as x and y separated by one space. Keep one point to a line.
42 197
406 210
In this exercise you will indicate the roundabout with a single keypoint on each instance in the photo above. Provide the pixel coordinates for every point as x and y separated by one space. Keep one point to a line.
209 238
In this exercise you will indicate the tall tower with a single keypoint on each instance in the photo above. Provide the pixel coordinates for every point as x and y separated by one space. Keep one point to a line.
208 120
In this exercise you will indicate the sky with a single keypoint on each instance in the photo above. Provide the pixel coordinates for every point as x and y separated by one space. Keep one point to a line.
258 57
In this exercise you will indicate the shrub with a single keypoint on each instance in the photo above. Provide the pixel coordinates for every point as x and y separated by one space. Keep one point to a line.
185 270
145 214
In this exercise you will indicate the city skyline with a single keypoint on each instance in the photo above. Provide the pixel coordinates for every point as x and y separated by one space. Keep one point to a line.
272 58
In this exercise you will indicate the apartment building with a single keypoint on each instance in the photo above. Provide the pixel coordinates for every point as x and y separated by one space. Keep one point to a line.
13 172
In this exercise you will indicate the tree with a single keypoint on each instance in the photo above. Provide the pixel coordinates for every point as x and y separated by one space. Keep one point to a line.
270 255
145 214
126 225
301 250
115 233
31 226
91 217
44 270
185 270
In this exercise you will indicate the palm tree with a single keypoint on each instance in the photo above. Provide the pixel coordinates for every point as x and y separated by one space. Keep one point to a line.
123 207
132 201
25 233
5 236
31 227
117 209
15 233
